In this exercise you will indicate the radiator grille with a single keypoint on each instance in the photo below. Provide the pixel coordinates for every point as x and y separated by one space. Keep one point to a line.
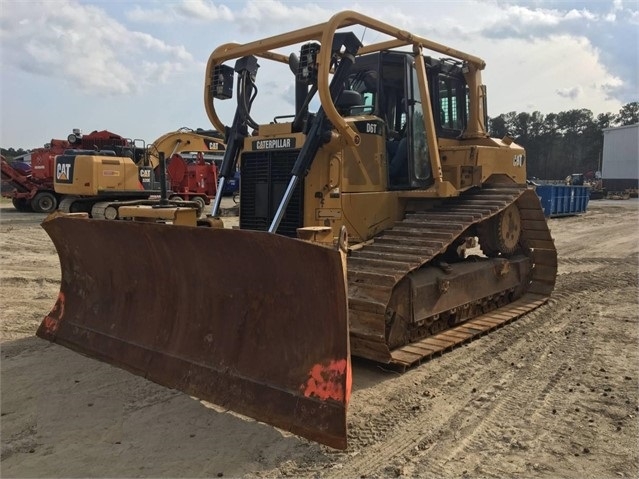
264 176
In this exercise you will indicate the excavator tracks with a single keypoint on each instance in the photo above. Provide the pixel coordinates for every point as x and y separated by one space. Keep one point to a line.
421 238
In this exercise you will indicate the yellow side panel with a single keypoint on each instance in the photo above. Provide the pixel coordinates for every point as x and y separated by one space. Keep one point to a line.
95 174
82 176
109 174
117 174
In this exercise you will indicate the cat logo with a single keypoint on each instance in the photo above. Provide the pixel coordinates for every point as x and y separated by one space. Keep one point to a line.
63 172
518 160
64 169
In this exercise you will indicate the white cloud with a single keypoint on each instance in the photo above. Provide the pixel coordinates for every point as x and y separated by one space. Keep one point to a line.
572 93
580 15
538 17
153 44
204 10
551 75
536 52
184 11
260 14
82 44
151 15
254 15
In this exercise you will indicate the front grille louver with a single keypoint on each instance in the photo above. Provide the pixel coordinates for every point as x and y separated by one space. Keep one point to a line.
264 176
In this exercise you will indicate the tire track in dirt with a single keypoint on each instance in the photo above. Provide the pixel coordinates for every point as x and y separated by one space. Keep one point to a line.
602 261
29 276
34 240
404 431
22 281
406 435
384 403
415 393
483 412
521 401
369 430
8 224
587 403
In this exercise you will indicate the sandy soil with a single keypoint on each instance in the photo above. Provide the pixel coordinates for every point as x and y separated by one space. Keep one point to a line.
554 394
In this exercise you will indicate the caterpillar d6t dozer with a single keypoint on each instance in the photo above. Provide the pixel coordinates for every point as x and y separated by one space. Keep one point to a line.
357 212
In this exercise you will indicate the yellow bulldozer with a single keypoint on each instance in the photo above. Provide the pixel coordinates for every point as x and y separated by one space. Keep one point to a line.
357 233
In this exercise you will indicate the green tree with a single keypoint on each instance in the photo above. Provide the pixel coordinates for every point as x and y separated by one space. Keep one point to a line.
497 126
559 144
629 114
11 153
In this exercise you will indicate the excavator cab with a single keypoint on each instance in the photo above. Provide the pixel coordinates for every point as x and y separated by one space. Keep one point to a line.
356 212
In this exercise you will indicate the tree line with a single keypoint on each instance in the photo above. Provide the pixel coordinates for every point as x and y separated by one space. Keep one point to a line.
11 153
559 144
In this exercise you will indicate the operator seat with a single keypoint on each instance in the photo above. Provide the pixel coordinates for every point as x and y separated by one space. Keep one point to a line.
348 99
397 147
397 160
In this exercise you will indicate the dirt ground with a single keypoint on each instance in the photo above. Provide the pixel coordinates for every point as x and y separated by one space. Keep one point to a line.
553 395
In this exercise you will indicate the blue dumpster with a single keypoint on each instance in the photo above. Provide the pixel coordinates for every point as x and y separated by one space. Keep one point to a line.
560 200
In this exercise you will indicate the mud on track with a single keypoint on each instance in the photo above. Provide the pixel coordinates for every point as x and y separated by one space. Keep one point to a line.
554 394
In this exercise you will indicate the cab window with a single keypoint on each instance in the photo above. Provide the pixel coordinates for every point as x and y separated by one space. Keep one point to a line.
452 103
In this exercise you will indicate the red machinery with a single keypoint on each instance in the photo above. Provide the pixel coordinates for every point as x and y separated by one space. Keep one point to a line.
192 180
28 180
191 170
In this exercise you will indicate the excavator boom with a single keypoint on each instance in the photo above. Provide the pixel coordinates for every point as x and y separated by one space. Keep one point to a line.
184 140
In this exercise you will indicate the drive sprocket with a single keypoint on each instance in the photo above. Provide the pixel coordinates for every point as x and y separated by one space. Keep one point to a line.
501 233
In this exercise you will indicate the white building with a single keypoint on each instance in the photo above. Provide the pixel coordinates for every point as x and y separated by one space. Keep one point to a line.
620 162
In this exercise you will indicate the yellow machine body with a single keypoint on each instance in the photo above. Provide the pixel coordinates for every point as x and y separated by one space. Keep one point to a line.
99 182
356 233
93 175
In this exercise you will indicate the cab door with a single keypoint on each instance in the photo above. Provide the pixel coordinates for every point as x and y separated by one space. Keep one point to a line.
408 155
420 170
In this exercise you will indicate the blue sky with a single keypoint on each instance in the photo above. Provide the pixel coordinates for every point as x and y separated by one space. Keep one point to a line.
137 68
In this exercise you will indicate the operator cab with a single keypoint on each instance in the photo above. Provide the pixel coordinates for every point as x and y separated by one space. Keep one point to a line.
388 85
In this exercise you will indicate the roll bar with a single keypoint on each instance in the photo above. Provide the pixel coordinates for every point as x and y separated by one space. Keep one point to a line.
324 33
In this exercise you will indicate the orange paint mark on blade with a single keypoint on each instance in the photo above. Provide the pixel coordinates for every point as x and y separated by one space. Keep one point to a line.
51 321
349 379
329 381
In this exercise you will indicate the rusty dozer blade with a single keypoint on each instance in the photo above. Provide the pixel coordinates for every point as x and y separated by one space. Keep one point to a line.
251 321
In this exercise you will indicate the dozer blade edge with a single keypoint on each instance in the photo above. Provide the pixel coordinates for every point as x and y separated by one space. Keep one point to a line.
251 321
